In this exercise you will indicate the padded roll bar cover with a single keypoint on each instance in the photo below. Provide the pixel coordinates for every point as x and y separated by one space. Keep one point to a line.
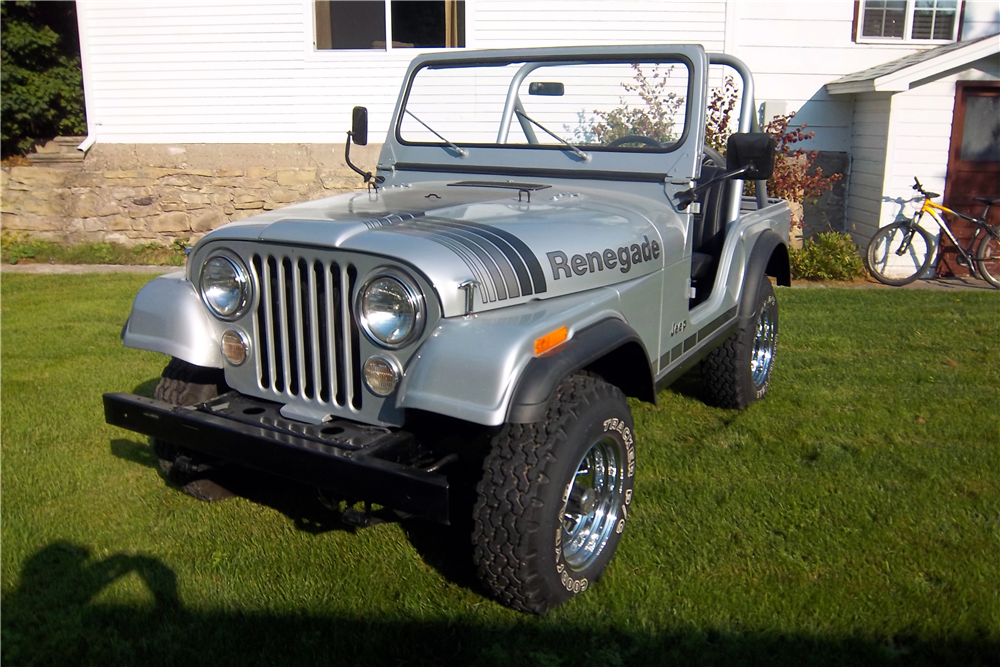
537 384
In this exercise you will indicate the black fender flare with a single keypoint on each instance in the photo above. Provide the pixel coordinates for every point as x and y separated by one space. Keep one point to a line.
538 381
769 256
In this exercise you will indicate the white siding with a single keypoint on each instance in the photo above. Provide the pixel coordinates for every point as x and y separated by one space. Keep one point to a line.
224 71
920 131
794 50
982 17
517 23
245 71
868 149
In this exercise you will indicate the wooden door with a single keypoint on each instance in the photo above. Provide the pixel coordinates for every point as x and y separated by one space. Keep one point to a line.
973 163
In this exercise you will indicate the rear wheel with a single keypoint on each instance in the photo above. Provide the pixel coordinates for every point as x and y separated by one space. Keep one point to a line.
988 257
186 384
900 253
738 372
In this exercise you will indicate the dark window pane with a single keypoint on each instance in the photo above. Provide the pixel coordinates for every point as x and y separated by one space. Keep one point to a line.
934 19
427 24
353 24
417 23
981 131
884 18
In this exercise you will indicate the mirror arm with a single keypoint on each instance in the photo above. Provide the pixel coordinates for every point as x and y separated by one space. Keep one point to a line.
367 175
686 197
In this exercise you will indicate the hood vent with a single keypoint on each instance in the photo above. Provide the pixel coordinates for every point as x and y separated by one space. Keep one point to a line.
506 185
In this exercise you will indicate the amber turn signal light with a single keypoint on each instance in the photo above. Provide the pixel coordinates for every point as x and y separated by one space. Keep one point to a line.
550 340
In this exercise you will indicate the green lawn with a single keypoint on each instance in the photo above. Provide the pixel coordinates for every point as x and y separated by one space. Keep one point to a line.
853 517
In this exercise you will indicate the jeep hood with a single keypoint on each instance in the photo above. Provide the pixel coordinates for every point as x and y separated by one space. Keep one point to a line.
517 242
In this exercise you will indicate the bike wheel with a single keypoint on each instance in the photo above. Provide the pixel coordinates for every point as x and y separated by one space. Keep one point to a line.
988 257
900 253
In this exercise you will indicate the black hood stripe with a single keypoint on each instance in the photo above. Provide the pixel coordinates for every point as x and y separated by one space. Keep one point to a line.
481 270
509 267
511 256
528 257
507 260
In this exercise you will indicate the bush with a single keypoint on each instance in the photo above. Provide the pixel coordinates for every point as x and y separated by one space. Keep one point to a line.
41 83
830 256
656 121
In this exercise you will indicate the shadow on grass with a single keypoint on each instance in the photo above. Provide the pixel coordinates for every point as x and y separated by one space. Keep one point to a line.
297 502
54 617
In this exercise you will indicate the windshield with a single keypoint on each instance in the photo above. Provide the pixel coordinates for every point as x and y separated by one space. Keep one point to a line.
576 107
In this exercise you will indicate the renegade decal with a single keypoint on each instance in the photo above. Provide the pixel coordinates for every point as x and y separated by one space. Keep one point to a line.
624 259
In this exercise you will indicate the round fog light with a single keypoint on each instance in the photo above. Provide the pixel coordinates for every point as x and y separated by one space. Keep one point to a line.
235 347
381 375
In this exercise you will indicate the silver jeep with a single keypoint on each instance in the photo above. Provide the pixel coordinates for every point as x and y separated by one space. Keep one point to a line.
545 234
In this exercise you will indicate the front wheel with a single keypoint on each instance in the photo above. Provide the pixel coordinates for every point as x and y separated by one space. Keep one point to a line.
186 384
988 257
900 253
555 496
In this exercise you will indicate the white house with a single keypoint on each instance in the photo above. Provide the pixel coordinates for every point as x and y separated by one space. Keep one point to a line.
287 72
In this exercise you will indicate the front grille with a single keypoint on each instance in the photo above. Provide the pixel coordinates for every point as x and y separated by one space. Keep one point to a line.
307 345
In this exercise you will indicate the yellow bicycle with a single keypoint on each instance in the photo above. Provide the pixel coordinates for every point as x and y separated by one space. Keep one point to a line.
902 252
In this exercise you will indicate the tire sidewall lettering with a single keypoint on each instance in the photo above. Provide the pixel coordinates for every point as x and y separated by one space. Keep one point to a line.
621 430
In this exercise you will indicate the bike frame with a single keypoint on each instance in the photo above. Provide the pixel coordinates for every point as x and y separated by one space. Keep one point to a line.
934 210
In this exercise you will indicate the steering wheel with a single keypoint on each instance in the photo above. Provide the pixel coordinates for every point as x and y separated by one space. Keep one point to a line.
635 139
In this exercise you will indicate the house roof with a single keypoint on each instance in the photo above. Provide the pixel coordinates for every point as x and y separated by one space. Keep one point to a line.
900 74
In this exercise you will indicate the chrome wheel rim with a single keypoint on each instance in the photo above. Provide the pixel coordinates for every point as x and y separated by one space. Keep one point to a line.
763 348
591 504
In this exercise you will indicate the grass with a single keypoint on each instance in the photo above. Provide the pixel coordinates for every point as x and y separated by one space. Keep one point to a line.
851 518
17 248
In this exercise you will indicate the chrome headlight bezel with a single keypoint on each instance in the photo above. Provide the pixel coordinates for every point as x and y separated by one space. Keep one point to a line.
242 277
413 295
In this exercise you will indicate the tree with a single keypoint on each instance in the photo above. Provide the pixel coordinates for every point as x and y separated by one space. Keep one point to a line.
41 82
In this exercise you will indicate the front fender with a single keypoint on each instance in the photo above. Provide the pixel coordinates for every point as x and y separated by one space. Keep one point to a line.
470 366
169 317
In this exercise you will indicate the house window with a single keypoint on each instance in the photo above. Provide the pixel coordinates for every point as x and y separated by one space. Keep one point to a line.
362 24
908 20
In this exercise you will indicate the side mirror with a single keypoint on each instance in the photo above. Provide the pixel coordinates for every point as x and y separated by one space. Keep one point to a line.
753 153
359 126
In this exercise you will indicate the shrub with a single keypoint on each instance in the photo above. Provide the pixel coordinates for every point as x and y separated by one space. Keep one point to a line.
830 256
656 120
41 83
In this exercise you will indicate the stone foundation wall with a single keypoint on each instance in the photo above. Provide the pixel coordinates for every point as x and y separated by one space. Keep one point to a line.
133 194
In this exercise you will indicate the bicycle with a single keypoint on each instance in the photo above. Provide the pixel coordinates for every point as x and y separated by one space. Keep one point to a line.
902 252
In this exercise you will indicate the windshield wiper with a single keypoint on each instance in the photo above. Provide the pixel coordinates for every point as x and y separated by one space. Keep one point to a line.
583 156
462 152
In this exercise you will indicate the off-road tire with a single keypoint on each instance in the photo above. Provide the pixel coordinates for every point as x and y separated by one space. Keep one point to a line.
520 550
186 384
730 376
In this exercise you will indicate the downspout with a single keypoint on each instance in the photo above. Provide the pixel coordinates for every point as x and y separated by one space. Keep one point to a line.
87 143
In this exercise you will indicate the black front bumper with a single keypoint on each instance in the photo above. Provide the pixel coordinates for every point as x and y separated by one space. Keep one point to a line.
349 459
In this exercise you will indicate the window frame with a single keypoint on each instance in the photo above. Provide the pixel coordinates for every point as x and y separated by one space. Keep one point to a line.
388 47
906 39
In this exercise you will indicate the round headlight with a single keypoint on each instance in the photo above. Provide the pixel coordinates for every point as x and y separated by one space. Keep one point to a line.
390 310
225 286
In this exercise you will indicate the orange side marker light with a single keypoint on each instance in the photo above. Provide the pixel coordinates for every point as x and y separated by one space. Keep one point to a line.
551 340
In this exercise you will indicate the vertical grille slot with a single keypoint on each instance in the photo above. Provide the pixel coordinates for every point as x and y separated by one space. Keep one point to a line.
307 346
